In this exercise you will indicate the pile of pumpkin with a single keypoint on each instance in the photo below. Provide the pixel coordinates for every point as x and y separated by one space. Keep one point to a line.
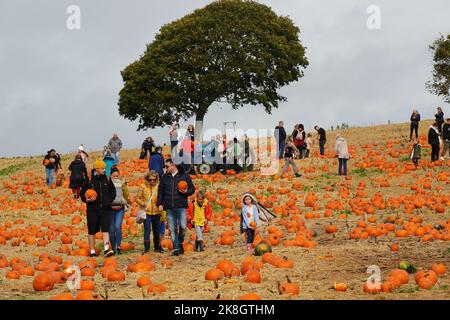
425 279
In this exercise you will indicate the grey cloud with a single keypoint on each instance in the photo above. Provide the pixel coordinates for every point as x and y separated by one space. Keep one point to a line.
59 88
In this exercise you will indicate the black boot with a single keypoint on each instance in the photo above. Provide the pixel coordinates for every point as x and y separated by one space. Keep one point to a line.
200 244
197 246
156 246
146 246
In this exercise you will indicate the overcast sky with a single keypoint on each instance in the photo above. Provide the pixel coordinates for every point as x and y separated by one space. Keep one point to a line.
59 88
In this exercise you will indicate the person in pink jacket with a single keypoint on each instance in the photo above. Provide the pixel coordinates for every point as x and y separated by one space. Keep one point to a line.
341 152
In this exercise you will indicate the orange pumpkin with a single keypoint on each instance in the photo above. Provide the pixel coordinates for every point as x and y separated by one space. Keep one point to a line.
42 282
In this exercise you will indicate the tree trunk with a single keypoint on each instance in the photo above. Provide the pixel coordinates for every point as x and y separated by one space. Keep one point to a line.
198 133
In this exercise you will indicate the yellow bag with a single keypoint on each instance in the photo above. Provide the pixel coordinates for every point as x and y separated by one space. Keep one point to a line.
163 217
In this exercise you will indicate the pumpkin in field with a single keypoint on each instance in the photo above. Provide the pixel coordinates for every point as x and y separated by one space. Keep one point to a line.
262 247
182 185
42 282
91 195
340 287
439 268
214 274
252 276
116 275
288 288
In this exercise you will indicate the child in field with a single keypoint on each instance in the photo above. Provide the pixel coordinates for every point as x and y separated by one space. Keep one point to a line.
249 218
416 152
198 214
289 155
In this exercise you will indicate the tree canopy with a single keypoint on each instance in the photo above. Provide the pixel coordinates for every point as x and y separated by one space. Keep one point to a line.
440 84
234 51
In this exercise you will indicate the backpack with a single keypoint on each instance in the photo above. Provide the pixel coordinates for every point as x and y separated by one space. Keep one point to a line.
119 200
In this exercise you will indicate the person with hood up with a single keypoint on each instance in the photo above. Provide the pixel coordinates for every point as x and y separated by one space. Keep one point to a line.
249 218
341 152
78 175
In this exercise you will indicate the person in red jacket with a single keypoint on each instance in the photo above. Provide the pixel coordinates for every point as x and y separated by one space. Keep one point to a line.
198 214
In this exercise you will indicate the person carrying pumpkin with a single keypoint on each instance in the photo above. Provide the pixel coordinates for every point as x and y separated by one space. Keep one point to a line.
173 192
78 174
147 198
249 218
98 193
199 212
51 162
119 205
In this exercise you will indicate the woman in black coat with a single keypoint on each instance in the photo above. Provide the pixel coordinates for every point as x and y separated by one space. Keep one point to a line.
415 118
434 142
78 175
439 118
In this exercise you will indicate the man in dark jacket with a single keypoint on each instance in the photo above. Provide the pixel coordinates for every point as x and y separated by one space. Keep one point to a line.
446 138
52 162
175 202
433 141
99 207
280 138
322 139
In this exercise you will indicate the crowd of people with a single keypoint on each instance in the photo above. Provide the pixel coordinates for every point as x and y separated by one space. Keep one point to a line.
438 136
163 198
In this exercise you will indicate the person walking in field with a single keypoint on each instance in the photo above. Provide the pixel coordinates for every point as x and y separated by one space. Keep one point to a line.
83 154
173 134
341 152
446 138
280 138
322 139
98 193
173 192
249 218
119 205
78 175
115 145
52 163
289 156
415 119
147 199
199 213
156 161
416 152
309 143
147 147
439 116
434 141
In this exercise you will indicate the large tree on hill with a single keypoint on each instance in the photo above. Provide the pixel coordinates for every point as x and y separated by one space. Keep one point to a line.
440 85
233 51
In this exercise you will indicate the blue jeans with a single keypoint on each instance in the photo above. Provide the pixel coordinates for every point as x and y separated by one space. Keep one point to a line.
176 218
152 224
116 157
342 164
250 235
49 176
115 230
322 147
